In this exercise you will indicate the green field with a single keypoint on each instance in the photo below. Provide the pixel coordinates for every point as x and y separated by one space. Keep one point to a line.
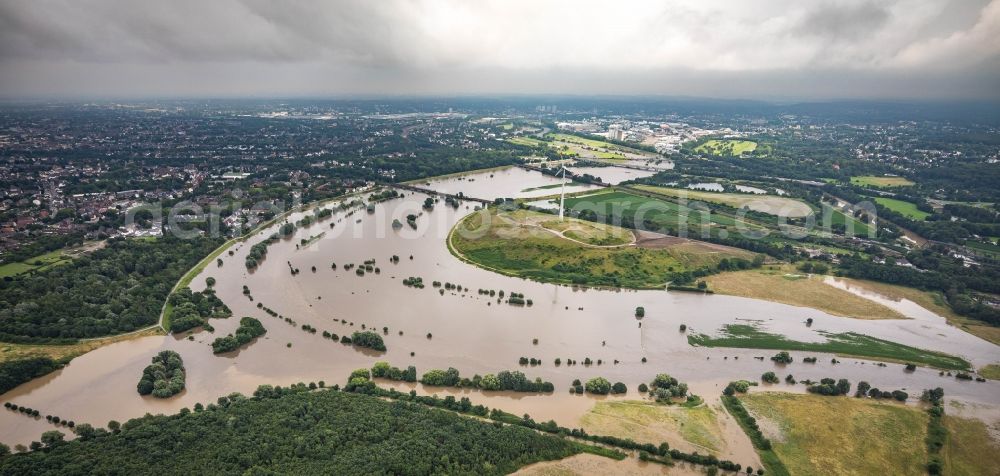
904 208
820 435
880 181
771 204
537 246
591 148
727 147
654 423
988 249
663 213
47 260
839 218
527 141
598 144
968 440
847 344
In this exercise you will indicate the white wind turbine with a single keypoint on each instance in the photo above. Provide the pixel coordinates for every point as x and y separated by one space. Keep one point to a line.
562 193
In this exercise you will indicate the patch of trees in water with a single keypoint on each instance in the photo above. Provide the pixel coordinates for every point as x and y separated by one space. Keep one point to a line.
829 387
368 339
866 390
597 386
414 282
164 377
664 389
192 309
248 330
505 380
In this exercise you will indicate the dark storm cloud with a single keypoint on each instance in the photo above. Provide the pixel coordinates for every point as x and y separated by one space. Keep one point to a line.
842 48
844 22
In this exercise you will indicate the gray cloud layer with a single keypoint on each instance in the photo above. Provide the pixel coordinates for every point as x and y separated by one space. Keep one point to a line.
774 48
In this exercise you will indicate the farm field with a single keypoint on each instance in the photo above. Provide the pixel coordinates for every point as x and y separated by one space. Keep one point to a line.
968 440
880 181
774 205
695 429
822 435
905 208
727 147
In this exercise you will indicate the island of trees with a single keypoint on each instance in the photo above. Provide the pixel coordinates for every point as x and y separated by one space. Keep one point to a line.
164 377
248 330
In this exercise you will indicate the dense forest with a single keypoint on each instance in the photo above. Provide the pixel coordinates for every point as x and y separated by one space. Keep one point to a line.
16 372
319 432
117 289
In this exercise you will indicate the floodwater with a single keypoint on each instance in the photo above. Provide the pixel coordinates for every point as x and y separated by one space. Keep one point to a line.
707 186
748 189
510 182
612 175
472 333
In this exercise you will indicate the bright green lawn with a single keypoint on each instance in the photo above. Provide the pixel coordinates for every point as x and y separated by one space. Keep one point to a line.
634 208
880 181
730 147
905 208
52 258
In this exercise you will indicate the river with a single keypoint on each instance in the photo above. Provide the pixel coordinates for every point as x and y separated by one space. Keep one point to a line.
470 332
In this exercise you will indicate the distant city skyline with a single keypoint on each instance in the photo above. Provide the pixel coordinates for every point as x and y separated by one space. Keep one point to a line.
775 49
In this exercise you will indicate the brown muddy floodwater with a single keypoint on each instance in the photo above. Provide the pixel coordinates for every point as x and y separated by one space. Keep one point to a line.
612 175
472 333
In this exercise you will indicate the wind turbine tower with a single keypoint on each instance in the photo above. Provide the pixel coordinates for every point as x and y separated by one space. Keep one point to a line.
562 194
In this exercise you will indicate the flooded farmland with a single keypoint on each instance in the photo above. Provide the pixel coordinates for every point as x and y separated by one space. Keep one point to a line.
464 329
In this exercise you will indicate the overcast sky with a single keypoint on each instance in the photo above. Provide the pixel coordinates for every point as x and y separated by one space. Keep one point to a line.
774 49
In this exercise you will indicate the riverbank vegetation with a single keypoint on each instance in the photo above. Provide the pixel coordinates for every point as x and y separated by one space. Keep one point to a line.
16 372
845 344
661 453
114 290
505 380
302 432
